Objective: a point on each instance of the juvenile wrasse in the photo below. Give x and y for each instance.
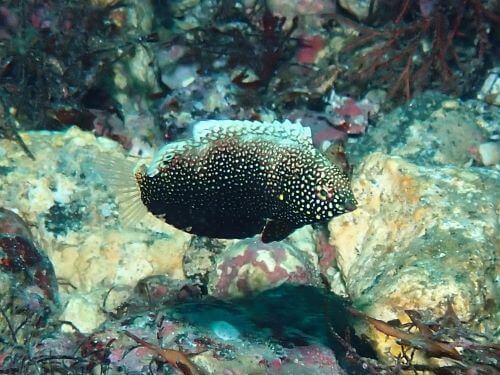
(234, 179)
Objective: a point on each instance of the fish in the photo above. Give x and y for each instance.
(233, 179)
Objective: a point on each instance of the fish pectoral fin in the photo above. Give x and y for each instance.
(276, 230)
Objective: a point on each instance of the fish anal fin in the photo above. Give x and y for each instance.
(276, 230)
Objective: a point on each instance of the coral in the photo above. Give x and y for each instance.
(445, 43)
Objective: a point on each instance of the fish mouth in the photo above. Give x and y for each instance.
(350, 204)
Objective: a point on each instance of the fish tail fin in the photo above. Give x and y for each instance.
(121, 177)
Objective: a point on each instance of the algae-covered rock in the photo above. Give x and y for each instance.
(431, 129)
(249, 266)
(74, 218)
(421, 236)
(28, 285)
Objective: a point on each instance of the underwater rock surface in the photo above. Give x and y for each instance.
(75, 219)
(433, 129)
(28, 284)
(250, 266)
(421, 235)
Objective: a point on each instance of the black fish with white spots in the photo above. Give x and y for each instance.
(234, 179)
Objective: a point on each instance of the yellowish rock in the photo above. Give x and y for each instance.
(450, 104)
(83, 313)
(420, 237)
(74, 219)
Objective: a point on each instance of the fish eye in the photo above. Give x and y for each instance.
(324, 192)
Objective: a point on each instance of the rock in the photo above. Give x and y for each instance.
(359, 8)
(225, 331)
(75, 219)
(420, 236)
(162, 290)
(243, 336)
(11, 223)
(490, 90)
(133, 80)
(28, 285)
(83, 312)
(431, 129)
(444, 138)
(319, 360)
(250, 266)
(31, 268)
(308, 11)
(489, 153)
(181, 76)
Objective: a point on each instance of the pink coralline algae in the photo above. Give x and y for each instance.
(250, 266)
(326, 251)
(349, 115)
(316, 355)
(310, 46)
(11, 223)
(32, 274)
(313, 360)
(343, 117)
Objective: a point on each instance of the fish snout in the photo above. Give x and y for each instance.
(350, 204)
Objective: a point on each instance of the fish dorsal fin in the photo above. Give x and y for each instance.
(209, 130)
(205, 131)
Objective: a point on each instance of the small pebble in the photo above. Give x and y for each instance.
(224, 330)
(489, 153)
(450, 104)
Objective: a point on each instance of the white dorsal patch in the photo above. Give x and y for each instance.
(164, 155)
(208, 130)
(284, 133)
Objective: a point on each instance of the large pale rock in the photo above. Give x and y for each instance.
(421, 236)
(358, 8)
(74, 218)
(490, 90)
